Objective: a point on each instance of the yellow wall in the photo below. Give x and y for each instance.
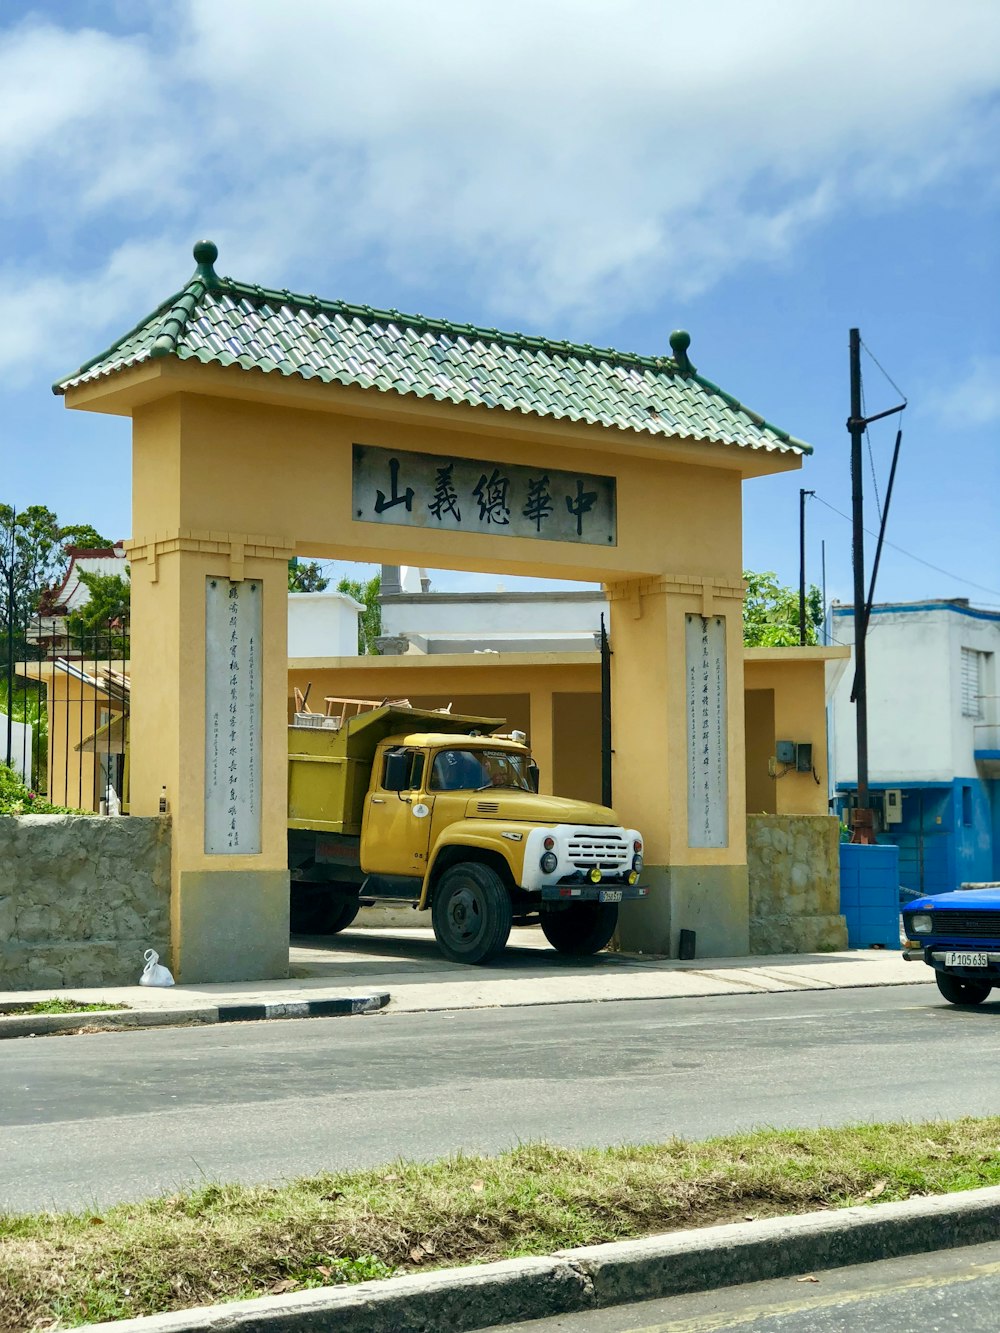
(759, 721)
(555, 698)
(577, 746)
(798, 678)
(75, 711)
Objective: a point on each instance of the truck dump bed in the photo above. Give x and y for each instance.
(329, 767)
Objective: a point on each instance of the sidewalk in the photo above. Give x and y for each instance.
(353, 972)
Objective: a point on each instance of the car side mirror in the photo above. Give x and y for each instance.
(533, 775)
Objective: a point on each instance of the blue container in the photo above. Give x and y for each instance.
(869, 895)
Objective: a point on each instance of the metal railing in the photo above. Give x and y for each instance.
(64, 708)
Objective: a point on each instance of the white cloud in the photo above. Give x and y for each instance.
(41, 315)
(551, 156)
(973, 399)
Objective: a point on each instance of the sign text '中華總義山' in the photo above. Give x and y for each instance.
(482, 495)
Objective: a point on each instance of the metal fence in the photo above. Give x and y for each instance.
(64, 708)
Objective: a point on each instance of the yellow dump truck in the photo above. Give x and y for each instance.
(441, 812)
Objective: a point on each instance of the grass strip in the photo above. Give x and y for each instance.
(58, 1006)
(229, 1242)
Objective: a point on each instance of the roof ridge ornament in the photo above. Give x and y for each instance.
(680, 341)
(205, 255)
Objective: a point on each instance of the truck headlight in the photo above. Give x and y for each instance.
(637, 862)
(548, 862)
(922, 923)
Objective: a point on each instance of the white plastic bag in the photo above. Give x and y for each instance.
(154, 973)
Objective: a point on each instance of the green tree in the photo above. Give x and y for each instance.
(370, 619)
(100, 627)
(33, 556)
(307, 577)
(771, 612)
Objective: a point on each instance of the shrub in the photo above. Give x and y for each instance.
(17, 798)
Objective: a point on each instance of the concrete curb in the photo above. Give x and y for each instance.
(252, 1013)
(458, 1300)
(110, 1020)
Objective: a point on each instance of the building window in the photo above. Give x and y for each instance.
(973, 682)
(967, 806)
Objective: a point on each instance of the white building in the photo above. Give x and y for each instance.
(322, 624)
(49, 628)
(417, 620)
(933, 743)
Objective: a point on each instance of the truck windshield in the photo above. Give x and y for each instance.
(474, 770)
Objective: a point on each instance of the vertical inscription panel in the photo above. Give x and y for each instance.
(233, 622)
(708, 739)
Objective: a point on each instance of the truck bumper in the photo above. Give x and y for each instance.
(594, 893)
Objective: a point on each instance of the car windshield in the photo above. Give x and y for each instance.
(475, 770)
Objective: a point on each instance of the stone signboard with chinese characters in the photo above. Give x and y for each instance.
(233, 623)
(480, 495)
(708, 734)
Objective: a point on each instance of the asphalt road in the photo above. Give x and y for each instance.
(117, 1116)
(953, 1290)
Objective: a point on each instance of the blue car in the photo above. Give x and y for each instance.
(959, 937)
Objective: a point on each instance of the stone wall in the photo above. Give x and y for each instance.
(794, 871)
(81, 899)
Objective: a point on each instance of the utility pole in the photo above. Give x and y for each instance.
(606, 750)
(822, 552)
(802, 564)
(864, 823)
(10, 640)
(863, 827)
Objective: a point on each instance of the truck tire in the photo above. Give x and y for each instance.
(471, 913)
(958, 990)
(313, 910)
(580, 929)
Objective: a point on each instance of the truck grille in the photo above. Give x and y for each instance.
(607, 851)
(966, 925)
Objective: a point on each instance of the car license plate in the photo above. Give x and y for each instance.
(610, 896)
(966, 960)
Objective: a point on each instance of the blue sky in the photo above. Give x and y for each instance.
(765, 175)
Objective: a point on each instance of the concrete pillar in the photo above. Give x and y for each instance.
(542, 737)
(700, 888)
(229, 912)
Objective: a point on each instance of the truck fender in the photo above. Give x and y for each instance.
(466, 841)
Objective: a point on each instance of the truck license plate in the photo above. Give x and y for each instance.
(966, 960)
(615, 896)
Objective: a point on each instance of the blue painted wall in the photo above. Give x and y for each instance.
(949, 834)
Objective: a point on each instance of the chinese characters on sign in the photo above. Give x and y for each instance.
(468, 495)
(708, 738)
(232, 716)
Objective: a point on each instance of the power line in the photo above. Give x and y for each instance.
(909, 554)
(883, 370)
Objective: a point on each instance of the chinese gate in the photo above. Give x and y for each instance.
(267, 426)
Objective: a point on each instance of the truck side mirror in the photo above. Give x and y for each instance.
(533, 775)
(396, 776)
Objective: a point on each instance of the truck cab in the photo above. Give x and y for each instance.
(451, 822)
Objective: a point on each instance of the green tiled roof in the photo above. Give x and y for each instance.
(221, 321)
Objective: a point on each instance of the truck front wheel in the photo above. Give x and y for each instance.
(957, 990)
(580, 929)
(471, 913)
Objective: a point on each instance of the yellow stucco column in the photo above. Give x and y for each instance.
(191, 661)
(542, 737)
(677, 708)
